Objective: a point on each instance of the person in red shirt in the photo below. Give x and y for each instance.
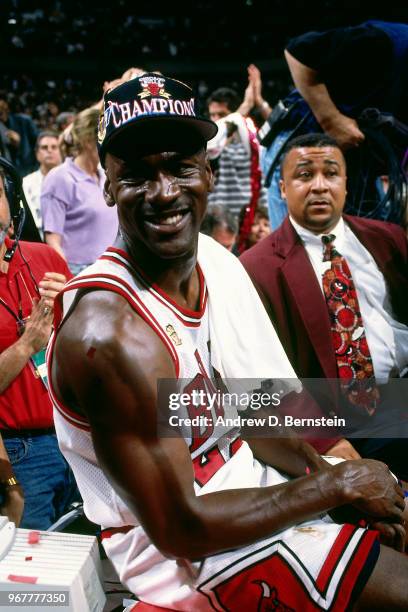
(36, 484)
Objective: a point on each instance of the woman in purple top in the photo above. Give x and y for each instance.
(77, 221)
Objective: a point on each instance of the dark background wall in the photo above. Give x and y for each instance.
(64, 51)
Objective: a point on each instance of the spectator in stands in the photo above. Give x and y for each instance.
(77, 222)
(234, 151)
(338, 73)
(18, 135)
(48, 156)
(64, 119)
(260, 227)
(220, 224)
(36, 484)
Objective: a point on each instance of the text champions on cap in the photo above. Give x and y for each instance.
(160, 102)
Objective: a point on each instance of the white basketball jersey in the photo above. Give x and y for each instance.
(185, 335)
(221, 461)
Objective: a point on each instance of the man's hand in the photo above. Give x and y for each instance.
(255, 80)
(38, 327)
(50, 286)
(344, 450)
(391, 534)
(14, 138)
(344, 130)
(13, 504)
(248, 102)
(372, 489)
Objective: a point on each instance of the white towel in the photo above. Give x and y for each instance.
(244, 343)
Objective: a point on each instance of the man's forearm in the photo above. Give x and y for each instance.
(313, 91)
(228, 519)
(291, 455)
(12, 361)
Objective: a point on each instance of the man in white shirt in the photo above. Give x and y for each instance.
(288, 269)
(48, 156)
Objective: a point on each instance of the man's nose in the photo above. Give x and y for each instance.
(164, 190)
(319, 182)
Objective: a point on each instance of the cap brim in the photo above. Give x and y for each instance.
(156, 134)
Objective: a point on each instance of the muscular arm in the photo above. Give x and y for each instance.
(342, 128)
(114, 363)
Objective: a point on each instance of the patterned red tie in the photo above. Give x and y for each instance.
(354, 363)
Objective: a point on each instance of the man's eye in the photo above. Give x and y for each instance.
(183, 169)
(133, 180)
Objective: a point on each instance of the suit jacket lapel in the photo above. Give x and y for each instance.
(307, 294)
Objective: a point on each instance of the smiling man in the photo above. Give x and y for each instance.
(335, 287)
(202, 521)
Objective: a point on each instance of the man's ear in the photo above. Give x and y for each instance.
(107, 192)
(282, 189)
(210, 175)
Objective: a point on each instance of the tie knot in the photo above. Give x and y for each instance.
(327, 239)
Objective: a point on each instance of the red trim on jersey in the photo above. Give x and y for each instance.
(349, 578)
(142, 606)
(110, 531)
(272, 584)
(159, 294)
(235, 446)
(340, 544)
(75, 419)
(88, 281)
(174, 311)
(133, 300)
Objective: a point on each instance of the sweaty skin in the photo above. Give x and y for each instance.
(161, 199)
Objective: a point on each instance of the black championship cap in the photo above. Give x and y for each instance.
(151, 113)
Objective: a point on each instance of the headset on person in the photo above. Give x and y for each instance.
(13, 188)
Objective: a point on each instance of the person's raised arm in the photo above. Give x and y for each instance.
(108, 364)
(255, 80)
(340, 127)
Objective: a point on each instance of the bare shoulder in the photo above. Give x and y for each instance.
(105, 343)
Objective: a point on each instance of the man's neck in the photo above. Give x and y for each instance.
(178, 278)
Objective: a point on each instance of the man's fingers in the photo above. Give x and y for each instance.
(400, 536)
(55, 276)
(391, 534)
(399, 490)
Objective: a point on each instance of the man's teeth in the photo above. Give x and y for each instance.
(170, 220)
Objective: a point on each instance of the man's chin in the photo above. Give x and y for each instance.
(174, 249)
(321, 224)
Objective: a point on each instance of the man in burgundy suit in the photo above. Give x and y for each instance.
(287, 268)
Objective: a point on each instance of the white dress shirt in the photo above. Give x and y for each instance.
(386, 337)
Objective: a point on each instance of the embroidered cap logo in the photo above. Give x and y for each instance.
(153, 86)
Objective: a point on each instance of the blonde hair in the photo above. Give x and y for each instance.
(84, 128)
